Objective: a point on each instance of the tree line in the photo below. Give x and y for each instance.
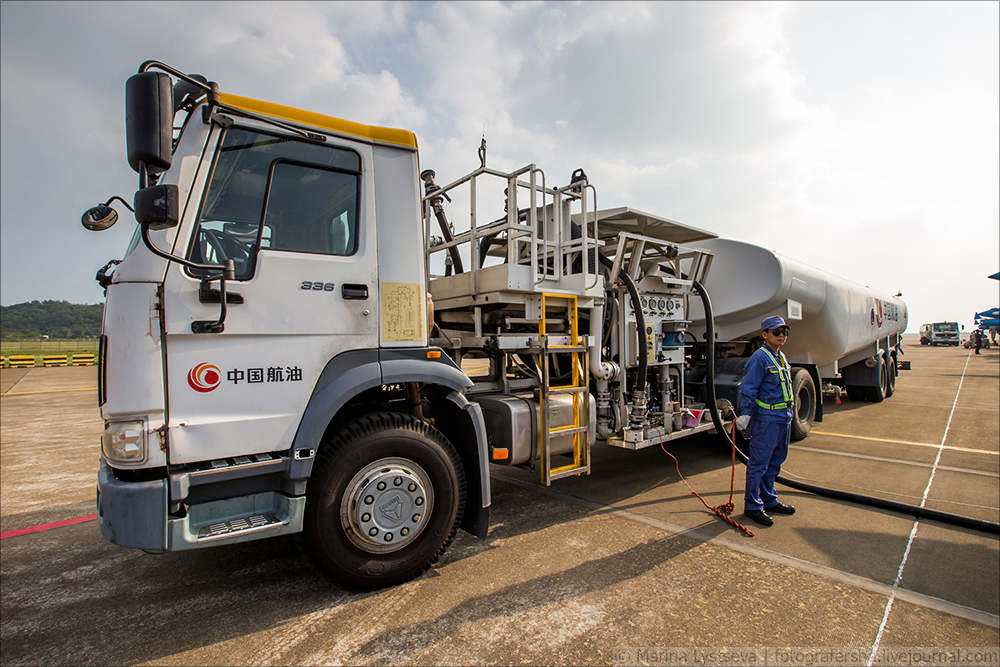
(55, 319)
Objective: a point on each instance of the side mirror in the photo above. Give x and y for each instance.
(157, 206)
(149, 121)
(99, 218)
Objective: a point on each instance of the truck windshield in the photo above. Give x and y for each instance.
(946, 326)
(277, 193)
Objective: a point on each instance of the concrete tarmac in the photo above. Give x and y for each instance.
(624, 566)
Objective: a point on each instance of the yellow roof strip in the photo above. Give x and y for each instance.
(384, 135)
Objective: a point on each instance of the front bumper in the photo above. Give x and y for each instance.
(132, 514)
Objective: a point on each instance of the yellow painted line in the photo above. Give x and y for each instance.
(47, 391)
(906, 442)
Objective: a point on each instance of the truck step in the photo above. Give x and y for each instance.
(242, 526)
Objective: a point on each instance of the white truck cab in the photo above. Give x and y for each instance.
(272, 300)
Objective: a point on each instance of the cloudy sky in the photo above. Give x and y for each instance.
(862, 138)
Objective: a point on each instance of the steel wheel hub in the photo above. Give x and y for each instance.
(386, 505)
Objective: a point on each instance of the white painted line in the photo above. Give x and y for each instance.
(913, 533)
(928, 405)
(904, 462)
(908, 442)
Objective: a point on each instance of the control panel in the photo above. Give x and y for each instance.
(665, 327)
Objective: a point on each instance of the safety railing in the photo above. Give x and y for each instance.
(540, 235)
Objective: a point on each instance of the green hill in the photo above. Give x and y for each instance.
(55, 319)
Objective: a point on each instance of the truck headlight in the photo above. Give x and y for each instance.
(124, 442)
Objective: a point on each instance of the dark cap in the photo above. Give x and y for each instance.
(772, 323)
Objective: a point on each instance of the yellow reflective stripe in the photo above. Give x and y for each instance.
(784, 380)
(776, 406)
(384, 135)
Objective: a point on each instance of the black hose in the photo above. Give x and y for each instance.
(870, 501)
(485, 245)
(640, 322)
(446, 231)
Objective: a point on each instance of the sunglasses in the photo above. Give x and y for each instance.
(779, 332)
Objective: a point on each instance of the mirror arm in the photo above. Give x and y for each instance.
(209, 87)
(228, 273)
(114, 197)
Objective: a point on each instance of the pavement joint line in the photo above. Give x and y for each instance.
(885, 459)
(916, 524)
(27, 372)
(864, 583)
(46, 391)
(907, 442)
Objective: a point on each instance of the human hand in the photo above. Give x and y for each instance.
(742, 422)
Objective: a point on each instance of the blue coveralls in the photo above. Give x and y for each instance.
(766, 395)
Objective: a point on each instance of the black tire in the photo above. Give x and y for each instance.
(878, 394)
(405, 468)
(804, 410)
(893, 369)
(924, 341)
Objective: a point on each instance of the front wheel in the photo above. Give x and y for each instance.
(383, 502)
(804, 411)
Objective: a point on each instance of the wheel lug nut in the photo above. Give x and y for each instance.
(418, 501)
(388, 537)
(369, 500)
(373, 532)
(404, 532)
(412, 487)
(366, 517)
(398, 481)
(381, 486)
(416, 518)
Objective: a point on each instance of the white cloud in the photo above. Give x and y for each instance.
(854, 137)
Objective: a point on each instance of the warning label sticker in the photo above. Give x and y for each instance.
(402, 313)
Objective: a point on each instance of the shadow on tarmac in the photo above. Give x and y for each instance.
(70, 597)
(593, 575)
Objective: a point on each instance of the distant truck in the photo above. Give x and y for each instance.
(939, 333)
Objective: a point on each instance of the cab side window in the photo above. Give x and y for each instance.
(276, 193)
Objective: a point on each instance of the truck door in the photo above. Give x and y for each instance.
(297, 217)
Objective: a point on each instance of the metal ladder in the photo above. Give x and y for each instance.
(579, 428)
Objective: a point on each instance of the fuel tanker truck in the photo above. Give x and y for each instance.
(309, 335)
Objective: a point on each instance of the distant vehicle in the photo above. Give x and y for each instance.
(939, 333)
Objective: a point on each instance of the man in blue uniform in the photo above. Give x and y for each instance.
(766, 405)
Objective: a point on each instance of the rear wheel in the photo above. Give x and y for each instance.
(383, 502)
(878, 394)
(890, 388)
(804, 410)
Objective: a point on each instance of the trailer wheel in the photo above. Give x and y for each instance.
(384, 501)
(893, 370)
(804, 393)
(878, 394)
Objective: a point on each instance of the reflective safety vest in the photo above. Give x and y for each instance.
(784, 372)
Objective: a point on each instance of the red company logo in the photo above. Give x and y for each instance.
(204, 377)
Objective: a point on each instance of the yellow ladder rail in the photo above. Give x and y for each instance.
(579, 428)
